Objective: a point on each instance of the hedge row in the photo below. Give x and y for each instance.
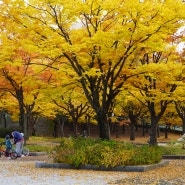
(83, 151)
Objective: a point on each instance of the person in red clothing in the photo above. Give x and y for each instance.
(19, 141)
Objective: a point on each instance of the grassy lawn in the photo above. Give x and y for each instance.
(40, 144)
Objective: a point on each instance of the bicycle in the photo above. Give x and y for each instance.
(25, 151)
(12, 154)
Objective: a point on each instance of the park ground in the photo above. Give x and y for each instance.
(23, 170)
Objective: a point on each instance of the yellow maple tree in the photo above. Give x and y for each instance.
(99, 40)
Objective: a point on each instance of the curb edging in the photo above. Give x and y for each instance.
(143, 168)
(37, 153)
(174, 157)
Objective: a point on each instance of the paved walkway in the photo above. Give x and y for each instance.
(24, 173)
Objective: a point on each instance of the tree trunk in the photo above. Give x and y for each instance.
(166, 131)
(25, 128)
(132, 126)
(55, 129)
(75, 129)
(104, 128)
(132, 131)
(153, 134)
(143, 128)
(88, 118)
(5, 122)
(61, 122)
(21, 109)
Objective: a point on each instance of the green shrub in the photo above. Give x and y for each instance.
(98, 152)
(94, 154)
(78, 158)
(112, 158)
(64, 152)
(146, 155)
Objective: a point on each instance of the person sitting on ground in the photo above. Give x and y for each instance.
(8, 145)
(19, 141)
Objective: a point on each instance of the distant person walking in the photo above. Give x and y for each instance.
(19, 141)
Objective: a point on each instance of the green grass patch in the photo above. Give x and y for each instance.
(172, 150)
(39, 148)
(43, 139)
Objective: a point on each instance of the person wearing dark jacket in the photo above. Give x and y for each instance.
(19, 141)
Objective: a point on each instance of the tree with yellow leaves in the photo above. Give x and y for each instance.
(158, 78)
(99, 40)
(133, 108)
(20, 82)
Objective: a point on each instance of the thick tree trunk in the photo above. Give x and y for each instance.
(104, 128)
(153, 134)
(132, 131)
(133, 122)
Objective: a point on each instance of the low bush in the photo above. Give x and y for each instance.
(98, 152)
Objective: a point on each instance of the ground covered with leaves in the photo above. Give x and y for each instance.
(23, 171)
